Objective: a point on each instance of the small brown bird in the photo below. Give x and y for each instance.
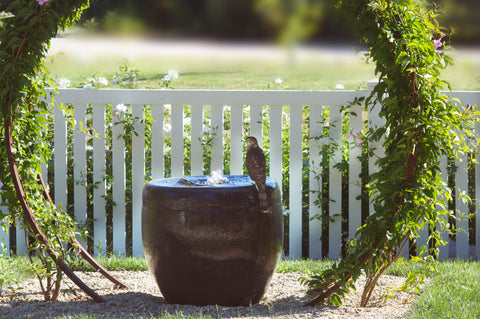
(257, 170)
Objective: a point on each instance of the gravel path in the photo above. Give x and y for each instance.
(284, 299)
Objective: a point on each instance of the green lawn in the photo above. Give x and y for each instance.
(453, 293)
(207, 72)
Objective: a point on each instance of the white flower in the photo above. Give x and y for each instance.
(339, 86)
(170, 76)
(173, 74)
(116, 81)
(64, 83)
(187, 121)
(319, 142)
(166, 78)
(167, 129)
(101, 80)
(89, 148)
(87, 86)
(168, 107)
(278, 81)
(120, 108)
(206, 129)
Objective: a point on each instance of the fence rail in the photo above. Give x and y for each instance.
(292, 126)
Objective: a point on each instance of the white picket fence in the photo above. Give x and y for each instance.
(258, 102)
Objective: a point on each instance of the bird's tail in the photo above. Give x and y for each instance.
(262, 199)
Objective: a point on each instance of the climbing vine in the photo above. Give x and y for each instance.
(421, 124)
(26, 29)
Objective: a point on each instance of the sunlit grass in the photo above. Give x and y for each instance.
(453, 293)
(212, 72)
(13, 270)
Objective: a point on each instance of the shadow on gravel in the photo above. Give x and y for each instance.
(137, 305)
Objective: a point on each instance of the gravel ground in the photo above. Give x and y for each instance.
(284, 299)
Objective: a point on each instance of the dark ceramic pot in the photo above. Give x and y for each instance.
(209, 244)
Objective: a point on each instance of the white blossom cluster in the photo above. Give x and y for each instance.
(170, 76)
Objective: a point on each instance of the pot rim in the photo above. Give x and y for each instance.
(200, 182)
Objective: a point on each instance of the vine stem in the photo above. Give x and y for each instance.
(30, 217)
(83, 252)
(410, 172)
(372, 280)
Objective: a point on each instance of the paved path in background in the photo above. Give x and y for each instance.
(85, 47)
(137, 48)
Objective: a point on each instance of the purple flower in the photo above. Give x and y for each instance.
(42, 2)
(437, 43)
(469, 107)
(357, 138)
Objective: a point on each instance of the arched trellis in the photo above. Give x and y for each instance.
(421, 124)
(22, 43)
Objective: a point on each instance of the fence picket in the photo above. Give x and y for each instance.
(20, 238)
(4, 235)
(295, 198)
(256, 124)
(60, 157)
(236, 140)
(44, 172)
(80, 167)
(217, 142)
(461, 188)
(335, 186)
(138, 179)
(43, 164)
(443, 251)
(158, 162)
(276, 152)
(355, 169)
(177, 141)
(476, 198)
(315, 183)
(196, 143)
(118, 185)
(99, 174)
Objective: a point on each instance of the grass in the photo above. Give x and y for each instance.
(13, 271)
(203, 73)
(308, 72)
(452, 292)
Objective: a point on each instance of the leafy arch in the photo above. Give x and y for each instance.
(421, 124)
(26, 30)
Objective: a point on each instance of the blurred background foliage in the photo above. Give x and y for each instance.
(288, 21)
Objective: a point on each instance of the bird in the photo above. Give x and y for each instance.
(257, 170)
